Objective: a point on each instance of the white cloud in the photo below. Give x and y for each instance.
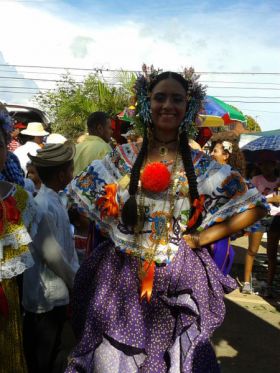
(228, 40)
(80, 46)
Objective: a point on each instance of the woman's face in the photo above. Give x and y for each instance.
(219, 154)
(168, 105)
(3, 151)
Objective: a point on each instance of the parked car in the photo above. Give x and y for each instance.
(26, 114)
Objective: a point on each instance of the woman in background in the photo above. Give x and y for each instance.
(225, 150)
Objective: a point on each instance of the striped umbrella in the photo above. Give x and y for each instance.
(217, 113)
(264, 148)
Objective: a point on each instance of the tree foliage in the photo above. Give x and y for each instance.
(70, 103)
(252, 124)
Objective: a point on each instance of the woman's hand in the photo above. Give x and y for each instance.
(192, 240)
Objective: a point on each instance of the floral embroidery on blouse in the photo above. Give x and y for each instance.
(234, 186)
(225, 191)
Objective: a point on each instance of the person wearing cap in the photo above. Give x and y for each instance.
(34, 135)
(45, 294)
(55, 138)
(96, 145)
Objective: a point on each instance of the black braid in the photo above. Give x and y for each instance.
(129, 211)
(190, 173)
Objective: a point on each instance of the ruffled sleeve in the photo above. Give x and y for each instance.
(96, 192)
(226, 192)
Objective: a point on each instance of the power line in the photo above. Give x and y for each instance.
(265, 89)
(230, 82)
(255, 102)
(262, 111)
(31, 93)
(235, 101)
(36, 89)
(48, 73)
(37, 79)
(111, 77)
(80, 82)
(136, 71)
(267, 97)
(50, 89)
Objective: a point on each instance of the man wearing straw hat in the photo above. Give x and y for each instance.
(34, 135)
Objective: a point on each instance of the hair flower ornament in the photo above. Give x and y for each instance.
(227, 146)
(195, 95)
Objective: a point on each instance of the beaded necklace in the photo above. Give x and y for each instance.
(150, 253)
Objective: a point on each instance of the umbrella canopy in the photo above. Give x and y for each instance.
(127, 114)
(264, 148)
(217, 113)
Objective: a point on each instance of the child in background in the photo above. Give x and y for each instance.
(32, 174)
(45, 294)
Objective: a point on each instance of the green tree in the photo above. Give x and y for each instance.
(252, 125)
(70, 103)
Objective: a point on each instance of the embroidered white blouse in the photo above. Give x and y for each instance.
(226, 193)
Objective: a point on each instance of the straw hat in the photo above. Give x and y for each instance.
(53, 154)
(55, 138)
(34, 129)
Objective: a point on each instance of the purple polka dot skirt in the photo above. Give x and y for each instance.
(116, 333)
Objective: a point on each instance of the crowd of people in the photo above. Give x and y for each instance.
(130, 242)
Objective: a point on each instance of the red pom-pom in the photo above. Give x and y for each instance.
(155, 177)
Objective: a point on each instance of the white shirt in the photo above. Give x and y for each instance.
(42, 288)
(22, 151)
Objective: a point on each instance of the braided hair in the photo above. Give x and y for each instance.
(129, 212)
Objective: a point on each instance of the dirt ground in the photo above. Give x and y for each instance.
(249, 339)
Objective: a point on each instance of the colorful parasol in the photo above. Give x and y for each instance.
(127, 114)
(217, 113)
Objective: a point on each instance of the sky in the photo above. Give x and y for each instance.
(235, 45)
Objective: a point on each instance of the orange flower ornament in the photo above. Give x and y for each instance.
(107, 204)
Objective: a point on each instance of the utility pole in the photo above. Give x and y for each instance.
(256, 117)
